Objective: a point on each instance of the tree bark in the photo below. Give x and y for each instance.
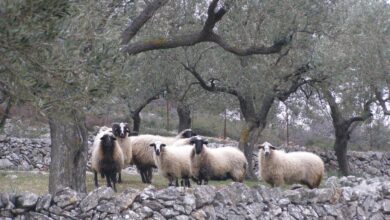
(69, 152)
(184, 113)
(136, 122)
(4, 115)
(340, 147)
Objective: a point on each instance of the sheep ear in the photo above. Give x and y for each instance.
(260, 147)
(272, 147)
(152, 145)
(163, 145)
(114, 138)
(205, 142)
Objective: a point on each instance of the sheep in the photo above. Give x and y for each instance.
(216, 163)
(173, 162)
(143, 154)
(122, 133)
(278, 167)
(107, 157)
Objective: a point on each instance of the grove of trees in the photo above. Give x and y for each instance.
(326, 60)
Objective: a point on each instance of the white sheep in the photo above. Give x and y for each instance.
(143, 153)
(173, 162)
(107, 157)
(122, 133)
(216, 163)
(278, 167)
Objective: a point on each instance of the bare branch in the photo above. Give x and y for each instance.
(382, 101)
(205, 35)
(141, 19)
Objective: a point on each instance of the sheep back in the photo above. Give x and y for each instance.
(219, 163)
(295, 167)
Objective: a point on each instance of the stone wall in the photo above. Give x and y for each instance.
(345, 198)
(34, 154)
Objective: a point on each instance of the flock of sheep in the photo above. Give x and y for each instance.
(186, 156)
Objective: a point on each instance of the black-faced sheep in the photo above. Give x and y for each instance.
(173, 162)
(122, 133)
(278, 167)
(107, 157)
(216, 163)
(143, 153)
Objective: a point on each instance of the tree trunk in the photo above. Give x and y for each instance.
(184, 114)
(69, 152)
(136, 122)
(6, 113)
(340, 148)
(248, 132)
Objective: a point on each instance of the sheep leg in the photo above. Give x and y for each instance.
(177, 182)
(96, 179)
(205, 181)
(119, 177)
(108, 179)
(149, 173)
(113, 179)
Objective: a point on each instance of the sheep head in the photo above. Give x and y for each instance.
(267, 148)
(121, 130)
(187, 133)
(158, 147)
(108, 143)
(198, 142)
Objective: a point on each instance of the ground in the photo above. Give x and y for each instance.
(37, 182)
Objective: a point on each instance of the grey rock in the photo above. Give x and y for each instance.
(235, 216)
(129, 214)
(66, 197)
(295, 212)
(179, 208)
(27, 200)
(181, 217)
(386, 206)
(148, 193)
(204, 195)
(55, 210)
(145, 212)
(126, 198)
(294, 196)
(377, 216)
(199, 214)
(189, 202)
(157, 216)
(153, 204)
(169, 213)
(93, 198)
(38, 216)
(5, 164)
(6, 214)
(170, 193)
(108, 207)
(284, 202)
(44, 202)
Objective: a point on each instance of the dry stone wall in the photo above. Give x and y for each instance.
(344, 198)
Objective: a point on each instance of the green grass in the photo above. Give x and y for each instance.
(37, 182)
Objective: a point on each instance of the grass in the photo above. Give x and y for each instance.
(37, 182)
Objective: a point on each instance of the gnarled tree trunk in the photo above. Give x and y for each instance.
(136, 122)
(340, 148)
(69, 152)
(184, 113)
(5, 114)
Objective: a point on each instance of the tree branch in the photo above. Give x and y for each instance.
(382, 101)
(145, 103)
(205, 35)
(141, 19)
